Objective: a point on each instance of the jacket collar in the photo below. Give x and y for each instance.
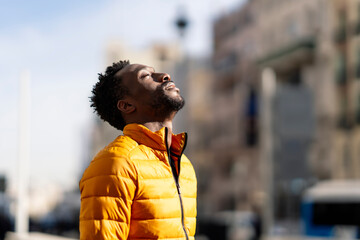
(156, 140)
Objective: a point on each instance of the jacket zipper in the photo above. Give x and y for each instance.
(176, 178)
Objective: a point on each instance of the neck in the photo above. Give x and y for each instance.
(156, 126)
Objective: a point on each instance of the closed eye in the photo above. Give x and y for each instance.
(145, 75)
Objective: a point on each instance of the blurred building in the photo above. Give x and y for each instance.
(235, 181)
(199, 116)
(347, 78)
(312, 47)
(296, 40)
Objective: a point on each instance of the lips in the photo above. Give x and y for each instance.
(170, 85)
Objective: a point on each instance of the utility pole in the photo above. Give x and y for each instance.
(22, 206)
(268, 89)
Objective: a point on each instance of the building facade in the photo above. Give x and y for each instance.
(235, 179)
(347, 76)
(312, 49)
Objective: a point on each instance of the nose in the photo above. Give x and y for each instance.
(164, 77)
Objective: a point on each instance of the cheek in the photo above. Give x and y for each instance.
(145, 90)
(139, 91)
(145, 95)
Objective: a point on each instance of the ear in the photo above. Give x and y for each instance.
(125, 106)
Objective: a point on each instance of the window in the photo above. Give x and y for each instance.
(357, 115)
(293, 28)
(357, 24)
(334, 213)
(341, 75)
(341, 31)
(251, 119)
(357, 63)
(342, 120)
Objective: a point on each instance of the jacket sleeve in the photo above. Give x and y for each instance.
(107, 191)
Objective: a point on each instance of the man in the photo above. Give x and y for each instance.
(140, 186)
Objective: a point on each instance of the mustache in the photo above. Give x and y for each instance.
(165, 84)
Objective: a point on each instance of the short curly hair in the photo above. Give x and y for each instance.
(107, 92)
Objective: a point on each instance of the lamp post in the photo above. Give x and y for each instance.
(181, 23)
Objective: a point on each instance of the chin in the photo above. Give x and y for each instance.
(174, 94)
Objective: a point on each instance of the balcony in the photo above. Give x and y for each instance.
(290, 56)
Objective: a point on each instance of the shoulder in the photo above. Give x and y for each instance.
(120, 147)
(114, 159)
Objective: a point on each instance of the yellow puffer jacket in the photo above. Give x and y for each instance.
(130, 189)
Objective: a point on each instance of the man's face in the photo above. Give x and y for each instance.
(151, 90)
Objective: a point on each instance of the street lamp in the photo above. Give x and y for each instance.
(181, 69)
(181, 22)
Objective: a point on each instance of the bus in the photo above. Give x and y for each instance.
(331, 209)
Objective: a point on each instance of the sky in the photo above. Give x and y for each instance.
(62, 46)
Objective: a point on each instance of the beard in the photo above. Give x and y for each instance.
(164, 104)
